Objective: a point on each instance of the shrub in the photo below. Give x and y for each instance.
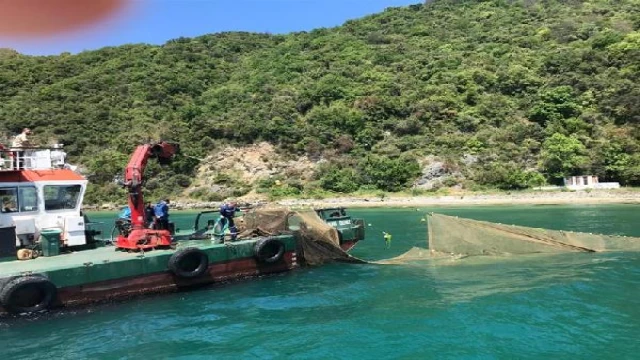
(509, 177)
(339, 180)
(389, 174)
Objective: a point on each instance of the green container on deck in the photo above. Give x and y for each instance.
(50, 242)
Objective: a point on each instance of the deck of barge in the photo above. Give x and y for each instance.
(105, 263)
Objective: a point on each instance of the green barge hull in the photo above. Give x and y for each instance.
(105, 274)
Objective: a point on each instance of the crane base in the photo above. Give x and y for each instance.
(144, 239)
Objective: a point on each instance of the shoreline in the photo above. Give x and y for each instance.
(581, 197)
(528, 198)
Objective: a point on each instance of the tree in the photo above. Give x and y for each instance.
(631, 173)
(563, 156)
(495, 79)
(106, 166)
(389, 174)
(509, 176)
(554, 105)
(343, 180)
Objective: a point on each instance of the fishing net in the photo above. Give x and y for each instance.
(318, 242)
(453, 235)
(265, 221)
(449, 238)
(415, 254)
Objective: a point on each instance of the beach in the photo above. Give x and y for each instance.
(618, 196)
(610, 196)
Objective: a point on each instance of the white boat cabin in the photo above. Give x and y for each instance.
(38, 191)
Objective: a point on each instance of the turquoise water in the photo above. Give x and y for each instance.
(569, 306)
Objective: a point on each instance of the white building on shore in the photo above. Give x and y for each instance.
(588, 182)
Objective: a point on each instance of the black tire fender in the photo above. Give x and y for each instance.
(268, 250)
(189, 263)
(28, 294)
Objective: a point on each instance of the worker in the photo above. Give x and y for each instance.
(161, 212)
(149, 215)
(20, 142)
(125, 214)
(5, 157)
(387, 239)
(228, 211)
(8, 207)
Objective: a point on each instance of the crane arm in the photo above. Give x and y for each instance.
(134, 175)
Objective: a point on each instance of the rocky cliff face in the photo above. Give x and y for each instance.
(238, 171)
(438, 173)
(234, 171)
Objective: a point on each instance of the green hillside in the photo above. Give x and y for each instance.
(507, 94)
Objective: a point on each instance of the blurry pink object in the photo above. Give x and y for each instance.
(39, 18)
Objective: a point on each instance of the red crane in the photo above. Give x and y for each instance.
(140, 238)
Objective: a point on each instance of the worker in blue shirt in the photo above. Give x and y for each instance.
(124, 221)
(228, 211)
(161, 212)
(125, 214)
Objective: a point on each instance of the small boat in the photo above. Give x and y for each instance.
(52, 255)
(350, 230)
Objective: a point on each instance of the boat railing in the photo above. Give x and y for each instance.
(32, 158)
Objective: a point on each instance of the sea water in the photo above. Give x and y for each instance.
(565, 306)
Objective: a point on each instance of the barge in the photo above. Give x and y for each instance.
(52, 255)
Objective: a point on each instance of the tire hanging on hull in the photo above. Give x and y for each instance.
(269, 251)
(189, 263)
(28, 294)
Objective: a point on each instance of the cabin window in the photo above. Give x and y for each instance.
(61, 197)
(334, 213)
(28, 199)
(9, 198)
(22, 199)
